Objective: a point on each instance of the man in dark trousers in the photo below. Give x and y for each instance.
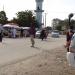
(1, 33)
(32, 34)
(43, 34)
(1, 36)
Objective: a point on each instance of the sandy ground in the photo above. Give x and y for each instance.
(51, 62)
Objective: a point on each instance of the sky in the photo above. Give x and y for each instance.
(52, 8)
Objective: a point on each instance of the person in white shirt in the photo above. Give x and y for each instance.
(14, 32)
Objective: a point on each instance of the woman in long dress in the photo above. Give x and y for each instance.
(69, 35)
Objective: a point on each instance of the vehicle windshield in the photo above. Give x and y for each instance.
(56, 31)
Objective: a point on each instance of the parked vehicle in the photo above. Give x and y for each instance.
(25, 31)
(38, 33)
(55, 34)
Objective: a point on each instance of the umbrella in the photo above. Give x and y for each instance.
(11, 25)
(24, 27)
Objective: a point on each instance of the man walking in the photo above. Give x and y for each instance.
(32, 34)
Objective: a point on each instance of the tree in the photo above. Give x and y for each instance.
(3, 18)
(73, 24)
(14, 20)
(25, 18)
(55, 23)
(63, 24)
(66, 24)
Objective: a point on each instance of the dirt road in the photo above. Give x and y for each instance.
(13, 50)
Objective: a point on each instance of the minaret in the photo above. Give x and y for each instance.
(39, 12)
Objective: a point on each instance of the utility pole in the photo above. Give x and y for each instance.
(42, 21)
(45, 19)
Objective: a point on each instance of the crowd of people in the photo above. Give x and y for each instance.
(70, 40)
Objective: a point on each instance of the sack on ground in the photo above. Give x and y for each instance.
(71, 59)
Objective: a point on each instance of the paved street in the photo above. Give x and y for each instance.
(12, 50)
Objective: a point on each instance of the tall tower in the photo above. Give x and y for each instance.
(39, 12)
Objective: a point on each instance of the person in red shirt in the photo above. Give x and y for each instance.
(69, 35)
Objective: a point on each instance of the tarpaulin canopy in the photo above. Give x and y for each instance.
(11, 25)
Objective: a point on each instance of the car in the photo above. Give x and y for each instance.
(25, 31)
(55, 34)
(38, 34)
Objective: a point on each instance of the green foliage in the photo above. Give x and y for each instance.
(25, 18)
(55, 23)
(3, 18)
(59, 27)
(62, 24)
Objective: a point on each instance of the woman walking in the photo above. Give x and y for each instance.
(69, 35)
